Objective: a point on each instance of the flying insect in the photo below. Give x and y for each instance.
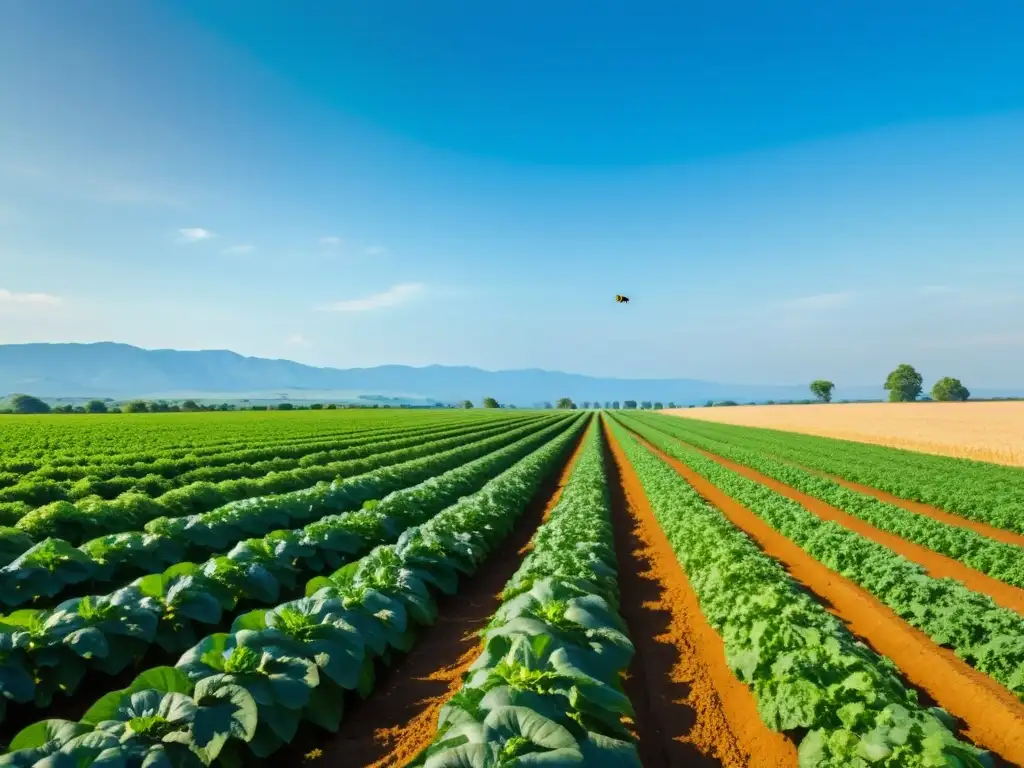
(622, 299)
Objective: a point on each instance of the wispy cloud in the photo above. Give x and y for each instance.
(298, 340)
(194, 234)
(395, 295)
(821, 301)
(236, 250)
(376, 250)
(11, 299)
(330, 240)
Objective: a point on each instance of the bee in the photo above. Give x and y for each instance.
(622, 299)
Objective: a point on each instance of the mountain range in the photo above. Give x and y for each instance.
(122, 371)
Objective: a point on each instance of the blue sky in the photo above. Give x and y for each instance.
(786, 190)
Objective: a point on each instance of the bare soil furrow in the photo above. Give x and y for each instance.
(399, 719)
(690, 708)
(991, 716)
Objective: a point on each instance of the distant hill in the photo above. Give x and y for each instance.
(106, 369)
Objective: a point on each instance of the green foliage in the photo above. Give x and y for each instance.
(96, 406)
(948, 388)
(467, 404)
(565, 403)
(490, 402)
(822, 389)
(903, 384)
(27, 404)
(285, 407)
(135, 406)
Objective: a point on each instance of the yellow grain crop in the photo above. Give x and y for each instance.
(992, 431)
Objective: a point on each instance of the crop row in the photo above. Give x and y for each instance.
(246, 691)
(95, 517)
(53, 565)
(51, 650)
(48, 441)
(156, 481)
(110, 476)
(997, 559)
(988, 493)
(983, 634)
(805, 669)
(546, 688)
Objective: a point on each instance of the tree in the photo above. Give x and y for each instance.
(95, 406)
(490, 402)
(671, 404)
(190, 405)
(135, 406)
(316, 407)
(586, 404)
(904, 384)
(27, 404)
(467, 404)
(629, 404)
(565, 403)
(822, 389)
(286, 407)
(658, 406)
(615, 405)
(548, 406)
(948, 388)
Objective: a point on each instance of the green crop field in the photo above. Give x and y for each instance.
(501, 588)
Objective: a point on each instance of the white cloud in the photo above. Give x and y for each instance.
(821, 301)
(395, 295)
(194, 234)
(298, 340)
(330, 240)
(12, 299)
(239, 249)
(376, 250)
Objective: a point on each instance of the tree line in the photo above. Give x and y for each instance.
(904, 385)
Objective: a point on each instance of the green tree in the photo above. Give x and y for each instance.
(548, 406)
(586, 404)
(658, 406)
(948, 388)
(467, 403)
(135, 406)
(95, 406)
(671, 404)
(27, 404)
(615, 405)
(629, 404)
(822, 389)
(904, 384)
(490, 402)
(331, 407)
(190, 405)
(286, 407)
(565, 403)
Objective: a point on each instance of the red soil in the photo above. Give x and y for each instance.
(936, 564)
(690, 708)
(399, 719)
(999, 534)
(993, 718)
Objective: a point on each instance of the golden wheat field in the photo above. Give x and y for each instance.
(992, 431)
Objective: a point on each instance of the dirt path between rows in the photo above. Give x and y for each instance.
(919, 507)
(991, 716)
(399, 719)
(937, 565)
(690, 708)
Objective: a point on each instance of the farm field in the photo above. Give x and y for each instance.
(985, 431)
(450, 589)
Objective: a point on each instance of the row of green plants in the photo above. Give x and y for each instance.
(94, 517)
(245, 692)
(987, 493)
(27, 496)
(983, 634)
(49, 651)
(997, 559)
(32, 444)
(110, 476)
(546, 687)
(809, 675)
(51, 567)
